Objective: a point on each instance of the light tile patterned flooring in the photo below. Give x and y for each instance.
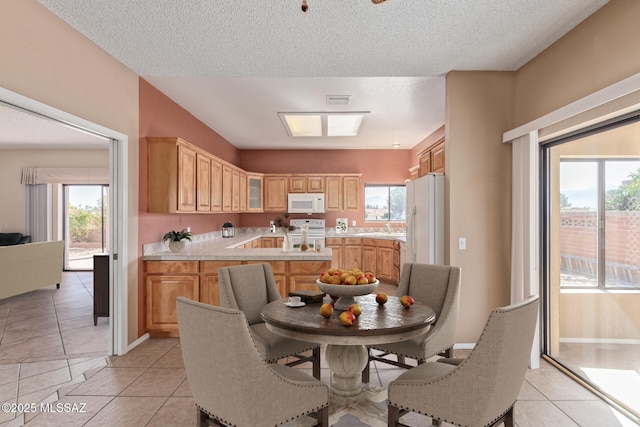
(50, 352)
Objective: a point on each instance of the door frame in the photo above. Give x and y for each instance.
(118, 208)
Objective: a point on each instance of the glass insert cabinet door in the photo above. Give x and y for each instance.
(592, 259)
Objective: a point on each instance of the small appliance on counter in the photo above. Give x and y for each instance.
(228, 230)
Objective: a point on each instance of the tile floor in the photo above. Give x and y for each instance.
(48, 355)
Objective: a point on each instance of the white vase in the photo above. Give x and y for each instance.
(176, 246)
(286, 243)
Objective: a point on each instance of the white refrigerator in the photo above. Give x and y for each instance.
(425, 219)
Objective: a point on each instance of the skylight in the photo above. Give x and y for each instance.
(323, 124)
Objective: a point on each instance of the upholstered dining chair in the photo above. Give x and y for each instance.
(439, 287)
(230, 382)
(479, 390)
(248, 288)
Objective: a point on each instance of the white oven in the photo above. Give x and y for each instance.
(315, 232)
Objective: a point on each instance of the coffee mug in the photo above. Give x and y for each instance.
(295, 300)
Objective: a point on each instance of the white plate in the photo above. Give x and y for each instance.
(288, 304)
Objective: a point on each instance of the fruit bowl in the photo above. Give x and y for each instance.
(347, 292)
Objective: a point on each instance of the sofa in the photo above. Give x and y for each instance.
(10, 239)
(27, 267)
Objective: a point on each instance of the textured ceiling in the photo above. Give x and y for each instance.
(235, 64)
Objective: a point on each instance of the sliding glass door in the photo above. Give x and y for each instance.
(85, 224)
(592, 259)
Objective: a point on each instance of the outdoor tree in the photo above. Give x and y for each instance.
(627, 196)
(564, 201)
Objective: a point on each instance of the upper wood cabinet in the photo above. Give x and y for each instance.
(254, 193)
(171, 175)
(216, 186)
(315, 184)
(432, 158)
(203, 182)
(242, 190)
(275, 193)
(342, 193)
(227, 188)
(235, 190)
(297, 184)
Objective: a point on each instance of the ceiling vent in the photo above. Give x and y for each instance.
(338, 99)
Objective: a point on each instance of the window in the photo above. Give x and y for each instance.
(385, 202)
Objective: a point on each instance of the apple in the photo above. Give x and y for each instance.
(371, 278)
(347, 318)
(362, 279)
(326, 310)
(355, 309)
(407, 301)
(350, 280)
(331, 271)
(335, 279)
(381, 298)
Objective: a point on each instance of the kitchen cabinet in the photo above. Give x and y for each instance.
(351, 191)
(352, 253)
(227, 188)
(414, 172)
(315, 184)
(396, 262)
(369, 259)
(209, 283)
(171, 175)
(342, 192)
(333, 193)
(271, 242)
(235, 190)
(384, 260)
(335, 244)
(254, 193)
(432, 158)
(303, 274)
(297, 184)
(242, 191)
(203, 182)
(164, 282)
(275, 193)
(216, 186)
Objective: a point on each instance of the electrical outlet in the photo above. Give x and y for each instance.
(353, 223)
(462, 243)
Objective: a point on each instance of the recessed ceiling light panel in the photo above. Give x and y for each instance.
(311, 124)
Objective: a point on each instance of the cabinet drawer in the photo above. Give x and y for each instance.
(333, 241)
(384, 243)
(368, 242)
(213, 266)
(352, 241)
(171, 267)
(308, 267)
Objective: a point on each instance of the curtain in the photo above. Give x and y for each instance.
(38, 211)
(65, 176)
(525, 278)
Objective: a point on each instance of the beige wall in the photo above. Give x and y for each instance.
(46, 60)
(600, 51)
(478, 110)
(12, 215)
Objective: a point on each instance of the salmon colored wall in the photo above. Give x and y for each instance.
(376, 167)
(160, 116)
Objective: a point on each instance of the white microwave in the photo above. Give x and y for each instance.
(308, 203)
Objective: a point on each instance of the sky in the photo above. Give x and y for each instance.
(84, 195)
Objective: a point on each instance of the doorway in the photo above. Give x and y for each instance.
(86, 225)
(592, 258)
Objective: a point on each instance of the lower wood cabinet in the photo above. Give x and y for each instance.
(381, 256)
(198, 280)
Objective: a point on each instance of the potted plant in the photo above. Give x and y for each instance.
(177, 239)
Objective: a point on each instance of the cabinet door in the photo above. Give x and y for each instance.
(352, 253)
(437, 158)
(209, 284)
(186, 179)
(216, 186)
(351, 193)
(254, 193)
(303, 274)
(227, 188)
(268, 242)
(275, 193)
(315, 184)
(369, 259)
(235, 190)
(384, 263)
(297, 184)
(242, 191)
(425, 163)
(203, 183)
(333, 194)
(335, 244)
(162, 292)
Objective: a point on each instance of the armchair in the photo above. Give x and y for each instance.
(479, 390)
(250, 287)
(439, 287)
(231, 383)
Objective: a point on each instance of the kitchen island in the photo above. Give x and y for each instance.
(193, 272)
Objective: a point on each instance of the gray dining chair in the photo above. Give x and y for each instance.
(479, 390)
(438, 286)
(250, 287)
(231, 383)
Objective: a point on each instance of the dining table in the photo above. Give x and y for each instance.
(346, 350)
